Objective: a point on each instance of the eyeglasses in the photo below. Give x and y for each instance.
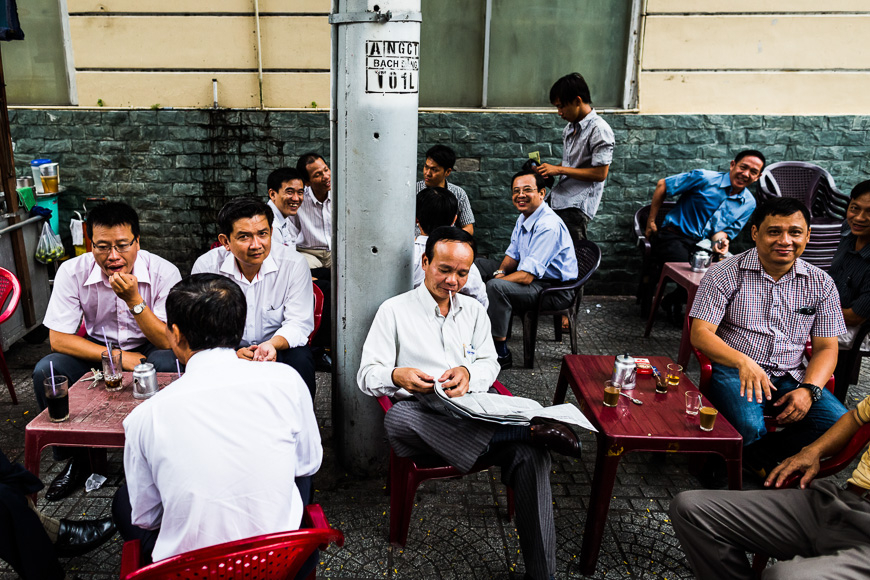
(121, 248)
(752, 171)
(525, 190)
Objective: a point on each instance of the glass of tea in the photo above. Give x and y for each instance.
(675, 371)
(57, 398)
(112, 369)
(707, 416)
(611, 393)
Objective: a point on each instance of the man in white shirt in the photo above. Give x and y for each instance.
(437, 207)
(276, 283)
(118, 292)
(432, 337)
(225, 452)
(315, 215)
(286, 192)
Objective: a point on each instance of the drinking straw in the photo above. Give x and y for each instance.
(178, 367)
(109, 350)
(53, 386)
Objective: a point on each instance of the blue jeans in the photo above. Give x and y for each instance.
(748, 417)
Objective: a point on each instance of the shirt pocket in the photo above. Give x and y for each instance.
(273, 318)
(800, 326)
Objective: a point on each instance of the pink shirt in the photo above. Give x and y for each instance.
(82, 289)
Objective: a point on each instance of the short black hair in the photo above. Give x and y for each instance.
(568, 88)
(282, 175)
(540, 183)
(751, 153)
(111, 214)
(304, 161)
(209, 310)
(449, 234)
(781, 206)
(436, 207)
(862, 188)
(239, 208)
(443, 155)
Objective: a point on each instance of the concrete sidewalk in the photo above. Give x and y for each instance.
(459, 528)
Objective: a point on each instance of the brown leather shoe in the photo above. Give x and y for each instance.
(556, 436)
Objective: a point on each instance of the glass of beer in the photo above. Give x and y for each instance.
(707, 418)
(675, 371)
(611, 393)
(57, 397)
(112, 369)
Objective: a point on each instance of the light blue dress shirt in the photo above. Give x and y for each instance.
(542, 246)
(705, 207)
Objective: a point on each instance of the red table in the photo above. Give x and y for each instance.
(660, 424)
(682, 274)
(95, 419)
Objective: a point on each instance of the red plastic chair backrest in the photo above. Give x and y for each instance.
(8, 285)
(263, 557)
(318, 311)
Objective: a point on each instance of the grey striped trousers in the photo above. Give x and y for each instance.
(414, 430)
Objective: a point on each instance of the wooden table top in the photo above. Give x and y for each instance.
(682, 272)
(662, 416)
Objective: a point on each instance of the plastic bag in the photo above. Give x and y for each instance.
(49, 249)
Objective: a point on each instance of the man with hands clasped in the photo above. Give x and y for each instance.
(119, 292)
(753, 315)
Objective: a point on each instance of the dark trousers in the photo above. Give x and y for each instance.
(23, 541)
(667, 246)
(323, 338)
(576, 221)
(301, 359)
(123, 518)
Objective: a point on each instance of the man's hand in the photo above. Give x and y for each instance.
(797, 405)
(246, 352)
(265, 351)
(455, 381)
(720, 244)
(547, 170)
(806, 461)
(130, 359)
(126, 287)
(651, 228)
(754, 382)
(413, 380)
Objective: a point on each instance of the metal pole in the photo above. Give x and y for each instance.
(375, 80)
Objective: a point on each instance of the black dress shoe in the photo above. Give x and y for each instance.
(323, 363)
(77, 538)
(506, 361)
(71, 478)
(558, 437)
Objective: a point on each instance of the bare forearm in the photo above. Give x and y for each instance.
(508, 264)
(585, 173)
(837, 436)
(153, 328)
(469, 228)
(520, 277)
(715, 348)
(279, 342)
(75, 346)
(821, 365)
(852, 319)
(657, 199)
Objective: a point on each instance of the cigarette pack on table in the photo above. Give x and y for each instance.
(643, 366)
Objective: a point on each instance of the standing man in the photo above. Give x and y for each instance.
(118, 292)
(434, 338)
(276, 283)
(438, 166)
(224, 453)
(587, 151)
(286, 192)
(315, 214)
(540, 253)
(712, 205)
(752, 316)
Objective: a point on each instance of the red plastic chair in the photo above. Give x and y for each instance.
(8, 285)
(269, 557)
(407, 473)
(318, 312)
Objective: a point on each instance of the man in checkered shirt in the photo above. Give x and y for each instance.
(752, 316)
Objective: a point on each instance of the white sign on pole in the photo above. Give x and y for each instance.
(392, 66)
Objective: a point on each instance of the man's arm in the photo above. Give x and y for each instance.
(655, 205)
(126, 287)
(852, 319)
(807, 460)
(469, 228)
(580, 173)
(754, 382)
(509, 265)
(796, 404)
(145, 501)
(82, 348)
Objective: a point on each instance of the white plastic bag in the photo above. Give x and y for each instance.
(50, 248)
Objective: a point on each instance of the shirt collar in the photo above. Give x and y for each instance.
(527, 223)
(431, 307)
(582, 123)
(231, 268)
(749, 261)
(850, 240)
(207, 358)
(140, 270)
(279, 217)
(421, 241)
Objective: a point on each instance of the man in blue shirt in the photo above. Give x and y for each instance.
(540, 253)
(712, 205)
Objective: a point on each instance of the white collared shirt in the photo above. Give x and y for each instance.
(285, 230)
(474, 285)
(315, 221)
(280, 298)
(409, 331)
(81, 288)
(212, 457)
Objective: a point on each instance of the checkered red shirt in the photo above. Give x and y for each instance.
(760, 317)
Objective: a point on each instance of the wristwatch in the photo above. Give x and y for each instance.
(497, 272)
(139, 308)
(815, 392)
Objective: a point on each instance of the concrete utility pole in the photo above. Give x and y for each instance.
(375, 80)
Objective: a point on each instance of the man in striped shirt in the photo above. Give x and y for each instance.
(315, 214)
(753, 315)
(438, 166)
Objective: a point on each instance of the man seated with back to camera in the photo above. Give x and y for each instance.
(118, 291)
(276, 282)
(227, 451)
(752, 316)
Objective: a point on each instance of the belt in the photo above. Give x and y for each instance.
(861, 492)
